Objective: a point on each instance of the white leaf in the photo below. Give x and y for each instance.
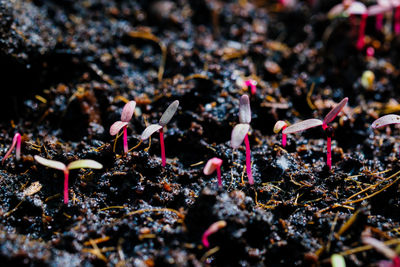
(301, 126)
(127, 111)
(150, 130)
(238, 134)
(386, 120)
(169, 113)
(244, 109)
(50, 163)
(117, 126)
(212, 165)
(84, 163)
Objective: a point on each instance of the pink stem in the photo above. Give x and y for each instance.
(248, 160)
(18, 150)
(204, 239)
(397, 20)
(125, 139)
(219, 176)
(163, 161)
(66, 174)
(379, 22)
(283, 137)
(329, 152)
(361, 32)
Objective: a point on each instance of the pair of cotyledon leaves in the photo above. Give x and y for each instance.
(127, 113)
(310, 123)
(240, 130)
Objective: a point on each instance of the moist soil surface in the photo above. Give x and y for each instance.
(68, 68)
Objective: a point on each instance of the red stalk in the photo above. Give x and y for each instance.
(379, 22)
(163, 161)
(125, 139)
(283, 137)
(329, 152)
(248, 160)
(397, 20)
(361, 31)
(219, 176)
(66, 174)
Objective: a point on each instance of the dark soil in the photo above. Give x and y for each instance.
(68, 66)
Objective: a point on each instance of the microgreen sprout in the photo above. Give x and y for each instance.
(77, 164)
(212, 165)
(211, 230)
(16, 141)
(385, 121)
(281, 125)
(126, 116)
(240, 133)
(165, 118)
(383, 249)
(252, 84)
(310, 123)
(352, 8)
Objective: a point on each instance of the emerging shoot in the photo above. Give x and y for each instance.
(77, 164)
(252, 84)
(281, 125)
(126, 116)
(310, 123)
(16, 141)
(165, 118)
(211, 230)
(212, 165)
(240, 133)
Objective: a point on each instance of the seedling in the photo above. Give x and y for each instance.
(240, 133)
(385, 121)
(126, 116)
(165, 118)
(16, 141)
(352, 8)
(252, 84)
(311, 123)
(77, 164)
(211, 230)
(281, 125)
(383, 249)
(212, 165)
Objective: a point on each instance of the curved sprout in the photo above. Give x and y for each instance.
(301, 126)
(211, 230)
(127, 111)
(212, 165)
(150, 130)
(239, 132)
(83, 164)
(386, 120)
(169, 113)
(117, 126)
(335, 111)
(16, 141)
(244, 109)
(51, 163)
(279, 125)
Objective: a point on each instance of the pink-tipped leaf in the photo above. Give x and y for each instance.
(84, 164)
(279, 125)
(301, 126)
(169, 113)
(212, 165)
(238, 134)
(117, 126)
(386, 120)
(244, 110)
(127, 111)
(335, 111)
(150, 130)
(51, 163)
